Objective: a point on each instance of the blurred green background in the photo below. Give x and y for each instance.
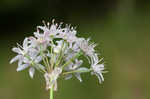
(120, 27)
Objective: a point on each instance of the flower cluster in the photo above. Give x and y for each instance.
(56, 51)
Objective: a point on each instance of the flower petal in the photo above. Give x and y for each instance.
(38, 59)
(100, 77)
(31, 72)
(15, 59)
(17, 50)
(33, 53)
(69, 76)
(78, 76)
(39, 67)
(22, 67)
(83, 69)
(25, 43)
(20, 62)
(26, 60)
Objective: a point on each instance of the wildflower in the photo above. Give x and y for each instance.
(41, 40)
(49, 31)
(74, 67)
(27, 56)
(68, 33)
(21, 51)
(86, 47)
(31, 61)
(98, 69)
(56, 51)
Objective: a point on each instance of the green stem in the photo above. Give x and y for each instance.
(43, 57)
(51, 93)
(53, 55)
(75, 71)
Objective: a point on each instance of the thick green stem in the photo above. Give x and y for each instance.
(51, 93)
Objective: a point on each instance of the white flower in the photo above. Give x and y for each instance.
(74, 47)
(87, 47)
(71, 36)
(50, 31)
(27, 57)
(21, 51)
(55, 50)
(69, 55)
(68, 33)
(31, 61)
(98, 69)
(51, 78)
(75, 67)
(42, 39)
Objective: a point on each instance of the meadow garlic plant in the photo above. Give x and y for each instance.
(55, 51)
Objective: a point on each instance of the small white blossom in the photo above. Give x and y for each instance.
(98, 69)
(73, 67)
(21, 51)
(54, 50)
(32, 61)
(42, 39)
(87, 47)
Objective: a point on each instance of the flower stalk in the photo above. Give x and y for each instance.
(51, 93)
